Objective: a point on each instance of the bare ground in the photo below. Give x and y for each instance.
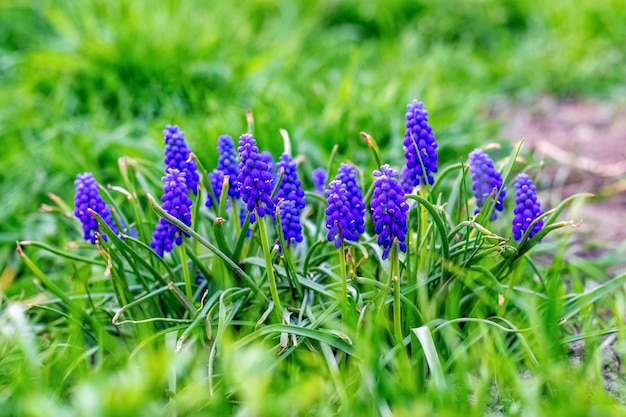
(583, 144)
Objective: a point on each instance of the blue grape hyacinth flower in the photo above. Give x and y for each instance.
(527, 208)
(87, 197)
(389, 209)
(177, 156)
(176, 202)
(485, 180)
(290, 188)
(420, 146)
(319, 177)
(266, 156)
(356, 221)
(290, 220)
(227, 163)
(216, 177)
(337, 212)
(406, 181)
(256, 183)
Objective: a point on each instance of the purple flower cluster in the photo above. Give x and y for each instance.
(290, 191)
(337, 212)
(486, 181)
(176, 202)
(527, 208)
(420, 146)
(389, 209)
(290, 188)
(266, 156)
(255, 180)
(87, 197)
(356, 218)
(216, 177)
(227, 163)
(319, 177)
(406, 181)
(290, 219)
(177, 156)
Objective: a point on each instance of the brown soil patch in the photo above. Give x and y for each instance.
(583, 144)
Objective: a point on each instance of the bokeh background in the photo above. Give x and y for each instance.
(83, 83)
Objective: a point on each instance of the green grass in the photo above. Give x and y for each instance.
(83, 86)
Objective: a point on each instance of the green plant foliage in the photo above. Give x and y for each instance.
(466, 322)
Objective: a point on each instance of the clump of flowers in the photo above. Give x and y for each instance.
(389, 209)
(256, 183)
(319, 177)
(527, 208)
(356, 219)
(177, 203)
(337, 212)
(88, 198)
(486, 181)
(177, 156)
(420, 146)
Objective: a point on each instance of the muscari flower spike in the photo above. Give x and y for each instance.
(177, 156)
(337, 212)
(527, 208)
(319, 177)
(227, 163)
(266, 156)
(389, 209)
(256, 183)
(486, 179)
(356, 221)
(420, 146)
(87, 197)
(290, 187)
(406, 181)
(290, 220)
(176, 202)
(216, 177)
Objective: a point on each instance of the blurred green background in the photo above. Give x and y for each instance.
(85, 82)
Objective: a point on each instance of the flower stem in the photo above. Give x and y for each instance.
(185, 266)
(270, 269)
(395, 279)
(344, 283)
(422, 271)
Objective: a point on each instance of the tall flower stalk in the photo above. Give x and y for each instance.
(256, 185)
(389, 214)
(338, 215)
